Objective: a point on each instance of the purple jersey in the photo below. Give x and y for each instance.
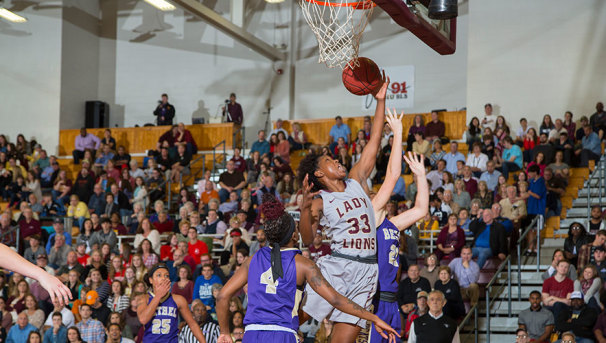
(388, 246)
(273, 302)
(164, 325)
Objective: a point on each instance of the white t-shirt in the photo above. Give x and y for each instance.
(68, 318)
(490, 121)
(477, 161)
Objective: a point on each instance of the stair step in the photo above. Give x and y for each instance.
(503, 293)
(500, 307)
(502, 324)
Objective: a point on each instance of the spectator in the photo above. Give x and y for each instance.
(210, 329)
(536, 204)
(595, 222)
(435, 129)
(577, 237)
(203, 287)
(278, 128)
(488, 120)
(196, 248)
(539, 160)
(70, 264)
(83, 142)
(233, 110)
(58, 253)
(259, 243)
(164, 224)
(410, 287)
(579, 319)
(230, 180)
(116, 335)
(420, 146)
(184, 286)
(477, 160)
(436, 175)
(105, 235)
(8, 238)
(512, 207)
(554, 134)
(267, 187)
(318, 248)
(165, 111)
(589, 284)
(19, 333)
(339, 130)
(452, 157)
(239, 161)
(557, 289)
(260, 145)
(96, 202)
(430, 269)
(467, 273)
(450, 288)
(77, 210)
(511, 159)
(434, 325)
(450, 240)
(559, 168)
(58, 332)
(104, 158)
(92, 330)
(212, 224)
(414, 312)
(598, 119)
(489, 238)
(416, 127)
(555, 189)
(461, 195)
(522, 336)
(297, 139)
(180, 164)
(565, 146)
(67, 317)
(590, 149)
(599, 328)
(34, 250)
(537, 321)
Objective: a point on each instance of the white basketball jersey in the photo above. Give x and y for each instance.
(349, 220)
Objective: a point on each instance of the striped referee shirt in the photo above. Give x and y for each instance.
(209, 329)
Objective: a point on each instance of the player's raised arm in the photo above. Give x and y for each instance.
(235, 283)
(314, 278)
(362, 169)
(12, 261)
(394, 168)
(407, 218)
(145, 311)
(311, 212)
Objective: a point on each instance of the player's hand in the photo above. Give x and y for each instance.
(55, 288)
(415, 163)
(382, 90)
(308, 195)
(395, 121)
(163, 289)
(224, 338)
(385, 330)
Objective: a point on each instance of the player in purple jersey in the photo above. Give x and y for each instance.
(388, 230)
(339, 203)
(159, 310)
(275, 276)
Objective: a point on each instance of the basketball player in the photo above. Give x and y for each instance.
(12, 261)
(345, 212)
(159, 310)
(388, 230)
(275, 277)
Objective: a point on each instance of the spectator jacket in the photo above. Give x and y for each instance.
(498, 239)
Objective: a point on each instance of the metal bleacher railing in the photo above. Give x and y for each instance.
(601, 174)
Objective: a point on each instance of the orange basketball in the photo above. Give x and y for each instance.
(364, 78)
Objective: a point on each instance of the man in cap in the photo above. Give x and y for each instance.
(599, 256)
(579, 318)
(417, 310)
(99, 312)
(59, 229)
(91, 330)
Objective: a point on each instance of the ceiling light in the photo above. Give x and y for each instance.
(10, 16)
(274, 1)
(162, 5)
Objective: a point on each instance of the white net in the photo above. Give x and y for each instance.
(338, 26)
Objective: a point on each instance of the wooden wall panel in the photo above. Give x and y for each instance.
(317, 130)
(140, 139)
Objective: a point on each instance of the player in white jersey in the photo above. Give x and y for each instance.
(342, 207)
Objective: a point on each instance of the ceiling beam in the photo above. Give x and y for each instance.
(229, 28)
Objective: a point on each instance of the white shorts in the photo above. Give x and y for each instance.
(354, 280)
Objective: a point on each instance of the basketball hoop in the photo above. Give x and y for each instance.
(338, 26)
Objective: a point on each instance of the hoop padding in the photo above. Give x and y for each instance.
(338, 26)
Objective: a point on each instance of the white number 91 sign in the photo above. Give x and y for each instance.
(400, 93)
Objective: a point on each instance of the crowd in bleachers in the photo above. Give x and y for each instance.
(102, 231)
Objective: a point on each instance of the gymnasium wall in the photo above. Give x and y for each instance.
(30, 76)
(530, 58)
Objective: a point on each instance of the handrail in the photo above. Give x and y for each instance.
(519, 246)
(193, 174)
(600, 178)
(506, 262)
(472, 311)
(215, 152)
(242, 132)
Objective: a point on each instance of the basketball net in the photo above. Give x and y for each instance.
(338, 26)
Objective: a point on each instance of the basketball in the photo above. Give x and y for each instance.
(364, 78)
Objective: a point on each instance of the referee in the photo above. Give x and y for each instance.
(209, 328)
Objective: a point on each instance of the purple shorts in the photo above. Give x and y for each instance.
(270, 337)
(389, 313)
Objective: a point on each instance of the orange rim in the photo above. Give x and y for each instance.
(359, 5)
